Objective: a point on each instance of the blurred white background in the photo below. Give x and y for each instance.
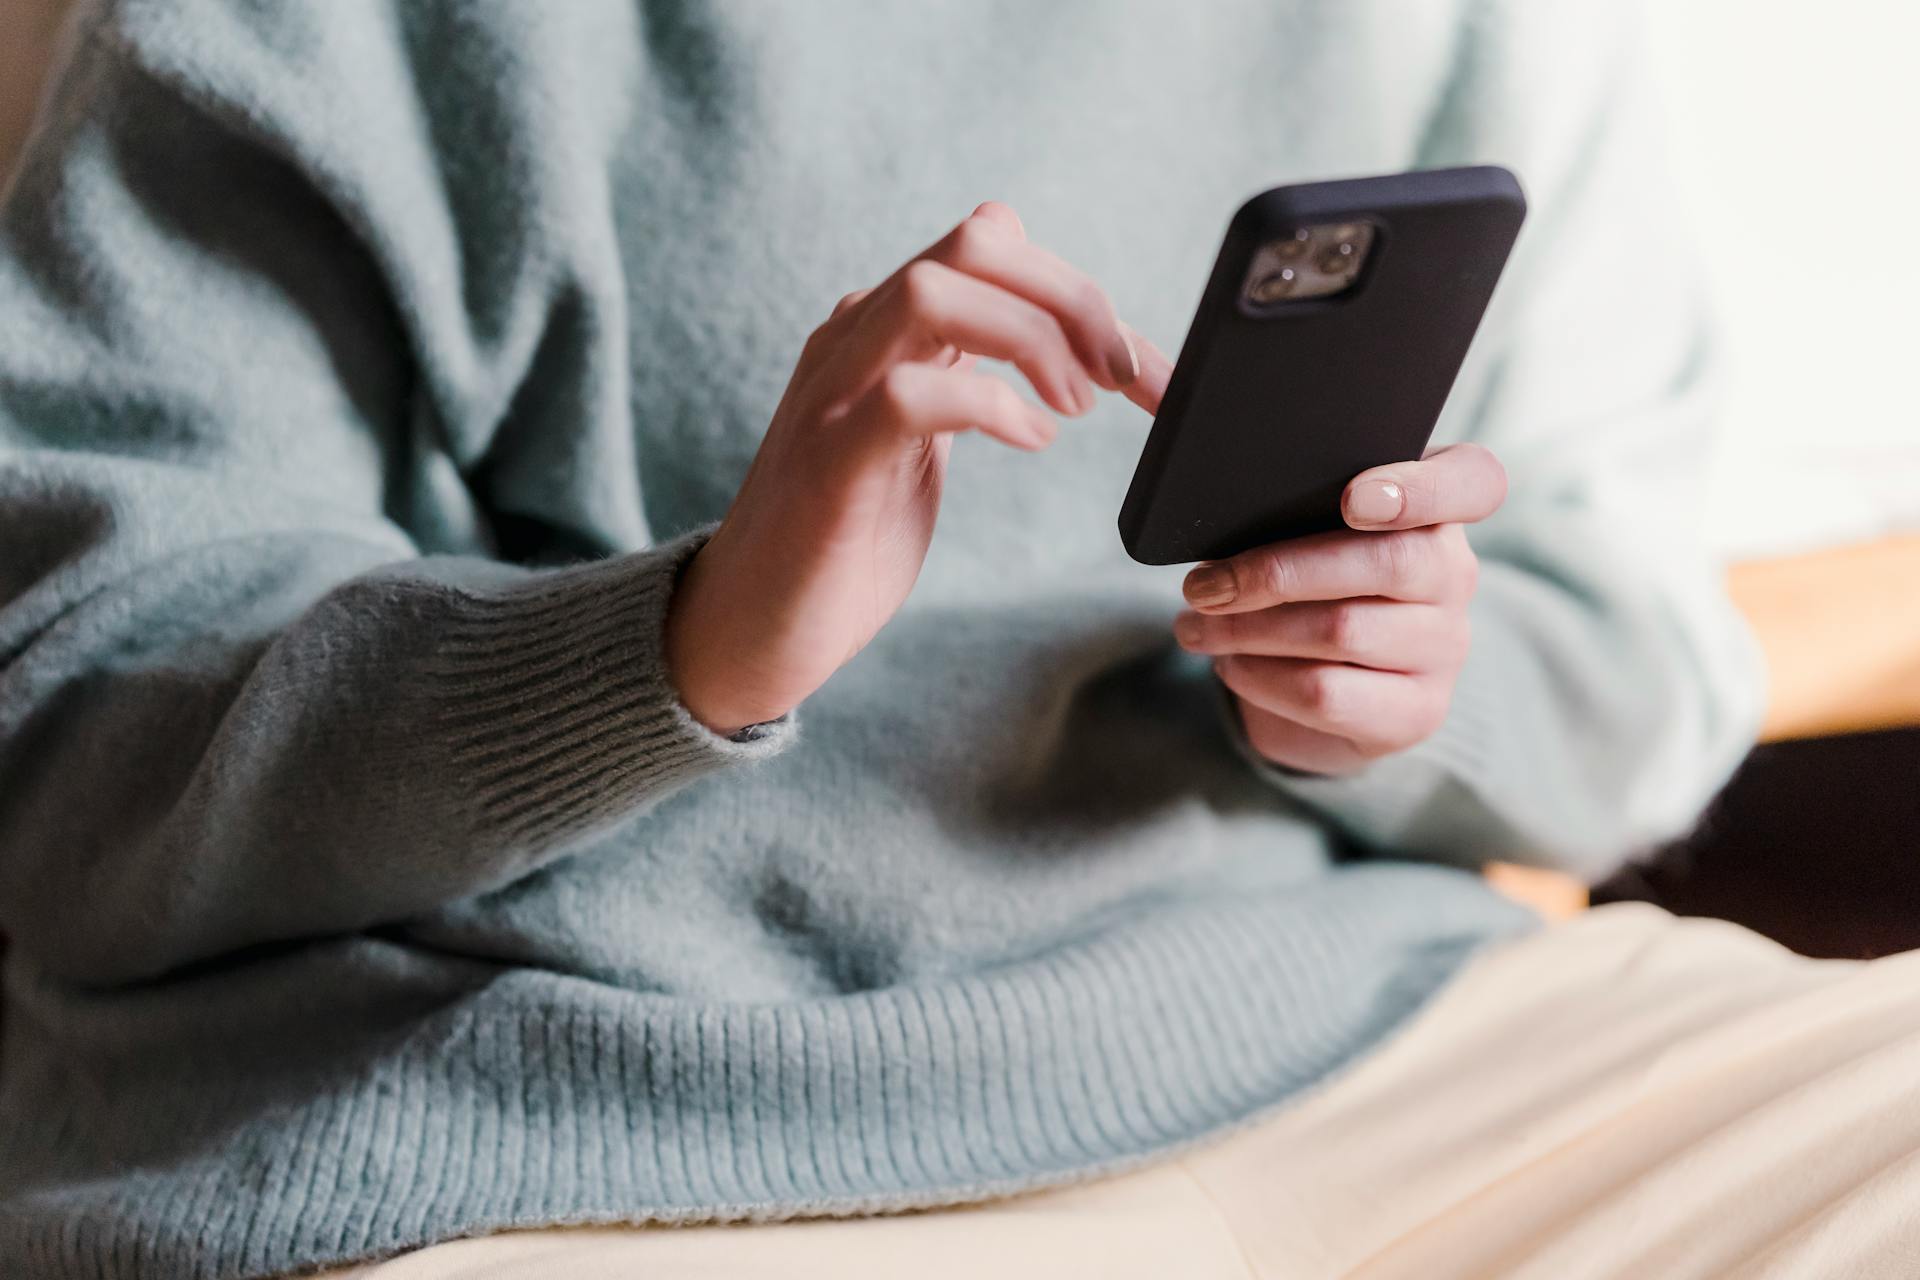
(1793, 136)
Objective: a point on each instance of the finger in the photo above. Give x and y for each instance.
(928, 306)
(1156, 371)
(827, 337)
(1291, 744)
(991, 246)
(1387, 635)
(1459, 483)
(1429, 566)
(1377, 711)
(1001, 213)
(849, 302)
(925, 400)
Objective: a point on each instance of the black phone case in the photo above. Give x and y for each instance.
(1269, 415)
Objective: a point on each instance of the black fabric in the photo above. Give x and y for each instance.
(1815, 843)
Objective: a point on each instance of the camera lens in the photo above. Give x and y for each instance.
(1337, 261)
(1294, 248)
(1273, 286)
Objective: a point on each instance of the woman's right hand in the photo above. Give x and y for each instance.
(832, 523)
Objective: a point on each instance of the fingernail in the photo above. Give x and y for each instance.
(1123, 362)
(1375, 502)
(1210, 584)
(1045, 430)
(1186, 630)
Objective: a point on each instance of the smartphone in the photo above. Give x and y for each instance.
(1327, 340)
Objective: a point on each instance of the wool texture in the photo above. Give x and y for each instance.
(370, 369)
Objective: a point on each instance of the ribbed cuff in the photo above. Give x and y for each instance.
(557, 705)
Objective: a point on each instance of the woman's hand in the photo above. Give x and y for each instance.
(832, 522)
(1343, 647)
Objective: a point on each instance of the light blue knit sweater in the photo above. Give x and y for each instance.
(367, 368)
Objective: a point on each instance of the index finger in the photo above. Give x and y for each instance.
(1417, 565)
(1156, 371)
(1456, 484)
(991, 244)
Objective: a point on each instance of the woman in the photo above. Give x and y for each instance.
(479, 755)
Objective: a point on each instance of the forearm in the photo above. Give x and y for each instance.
(252, 742)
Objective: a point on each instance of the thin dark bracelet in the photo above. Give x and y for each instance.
(755, 732)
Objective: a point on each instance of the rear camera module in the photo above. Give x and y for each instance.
(1308, 262)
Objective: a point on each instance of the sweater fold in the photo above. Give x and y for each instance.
(368, 372)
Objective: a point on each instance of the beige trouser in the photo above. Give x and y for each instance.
(1626, 1094)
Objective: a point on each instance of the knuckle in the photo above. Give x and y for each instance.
(1395, 557)
(1345, 627)
(1323, 695)
(1266, 574)
(1426, 495)
(919, 284)
(847, 302)
(1227, 631)
(895, 390)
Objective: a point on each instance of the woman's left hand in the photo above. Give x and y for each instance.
(1343, 647)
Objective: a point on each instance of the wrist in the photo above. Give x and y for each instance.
(688, 652)
(701, 658)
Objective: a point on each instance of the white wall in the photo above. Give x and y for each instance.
(1795, 136)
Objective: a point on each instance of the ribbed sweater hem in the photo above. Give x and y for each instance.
(530, 1098)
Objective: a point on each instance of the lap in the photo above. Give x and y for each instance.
(1626, 1094)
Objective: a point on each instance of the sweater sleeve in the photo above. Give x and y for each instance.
(1610, 686)
(240, 703)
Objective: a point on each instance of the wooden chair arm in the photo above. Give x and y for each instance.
(1841, 632)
